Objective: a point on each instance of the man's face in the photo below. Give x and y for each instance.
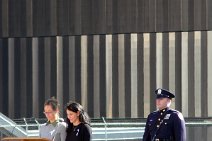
(50, 113)
(162, 103)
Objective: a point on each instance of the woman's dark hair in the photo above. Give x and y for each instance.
(75, 107)
(53, 103)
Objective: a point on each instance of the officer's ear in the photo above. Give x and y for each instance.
(169, 102)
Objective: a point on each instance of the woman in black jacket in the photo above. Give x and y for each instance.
(78, 123)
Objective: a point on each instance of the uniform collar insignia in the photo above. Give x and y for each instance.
(167, 116)
(164, 110)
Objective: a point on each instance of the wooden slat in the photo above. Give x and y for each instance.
(191, 83)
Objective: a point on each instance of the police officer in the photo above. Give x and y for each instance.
(165, 124)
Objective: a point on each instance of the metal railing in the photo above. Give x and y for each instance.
(9, 128)
(102, 129)
(119, 129)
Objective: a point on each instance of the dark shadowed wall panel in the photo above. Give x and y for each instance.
(47, 69)
(115, 75)
(90, 76)
(152, 58)
(141, 14)
(204, 76)
(1, 18)
(44, 17)
(175, 14)
(200, 7)
(26, 18)
(190, 11)
(165, 60)
(86, 16)
(111, 15)
(78, 69)
(51, 17)
(152, 16)
(4, 31)
(191, 74)
(127, 56)
(63, 16)
(75, 17)
(1, 74)
(121, 19)
(127, 15)
(99, 13)
(102, 61)
(38, 12)
(29, 18)
(42, 74)
(17, 18)
(162, 15)
(29, 76)
(4, 76)
(17, 77)
(140, 65)
(184, 16)
(209, 13)
(53, 49)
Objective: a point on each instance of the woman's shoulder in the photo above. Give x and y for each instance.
(62, 124)
(86, 127)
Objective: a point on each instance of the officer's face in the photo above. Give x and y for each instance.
(162, 103)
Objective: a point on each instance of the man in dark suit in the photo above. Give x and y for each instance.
(165, 124)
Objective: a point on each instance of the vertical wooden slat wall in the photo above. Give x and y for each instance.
(34, 69)
(109, 55)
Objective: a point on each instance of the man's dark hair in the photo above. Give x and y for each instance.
(53, 103)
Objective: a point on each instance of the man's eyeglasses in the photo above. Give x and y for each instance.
(47, 113)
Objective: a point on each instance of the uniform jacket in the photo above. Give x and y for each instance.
(167, 124)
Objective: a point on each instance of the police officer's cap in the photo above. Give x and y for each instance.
(162, 93)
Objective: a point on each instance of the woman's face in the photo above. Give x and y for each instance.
(72, 116)
(50, 113)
